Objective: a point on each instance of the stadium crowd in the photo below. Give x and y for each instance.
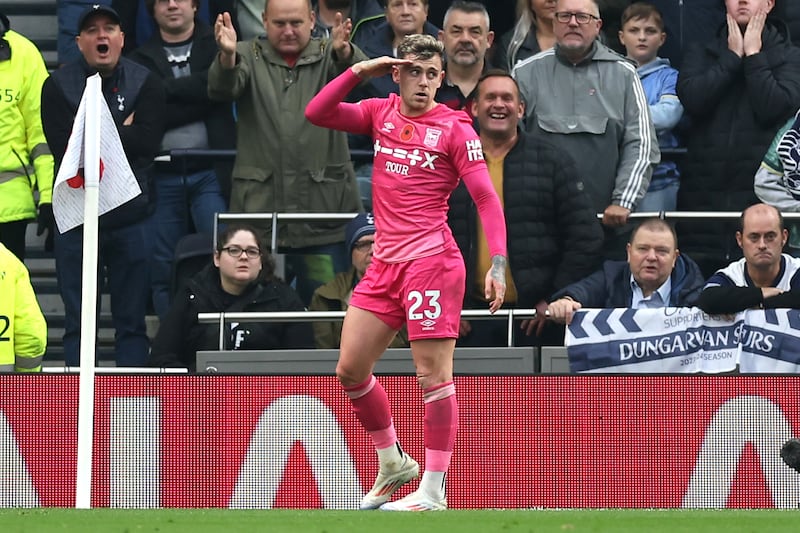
(574, 100)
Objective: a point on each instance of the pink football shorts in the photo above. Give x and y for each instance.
(426, 294)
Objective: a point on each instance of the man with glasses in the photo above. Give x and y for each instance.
(588, 99)
(241, 278)
(764, 277)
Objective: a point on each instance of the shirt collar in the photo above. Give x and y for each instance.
(659, 298)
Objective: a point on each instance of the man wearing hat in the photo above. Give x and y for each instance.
(136, 100)
(335, 295)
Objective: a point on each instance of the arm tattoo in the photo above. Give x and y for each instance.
(498, 271)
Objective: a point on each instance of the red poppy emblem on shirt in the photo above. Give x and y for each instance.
(407, 132)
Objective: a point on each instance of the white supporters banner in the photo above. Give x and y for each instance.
(683, 340)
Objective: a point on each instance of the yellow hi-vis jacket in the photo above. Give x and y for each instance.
(23, 330)
(25, 159)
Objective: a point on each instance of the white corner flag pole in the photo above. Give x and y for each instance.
(83, 489)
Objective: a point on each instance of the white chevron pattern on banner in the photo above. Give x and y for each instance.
(683, 340)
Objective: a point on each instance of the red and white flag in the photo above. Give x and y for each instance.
(117, 182)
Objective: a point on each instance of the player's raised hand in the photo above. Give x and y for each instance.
(376, 67)
(340, 36)
(495, 284)
(225, 34)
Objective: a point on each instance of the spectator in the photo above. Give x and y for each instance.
(532, 33)
(187, 193)
(588, 100)
(25, 160)
(242, 279)
(655, 275)
(23, 330)
(136, 101)
(502, 14)
(139, 26)
(249, 20)
(642, 35)
(738, 90)
(380, 37)
(764, 277)
(777, 180)
(466, 37)
(335, 295)
(284, 163)
(68, 13)
(554, 238)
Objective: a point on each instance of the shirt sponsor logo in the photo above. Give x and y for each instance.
(432, 137)
(474, 150)
(413, 157)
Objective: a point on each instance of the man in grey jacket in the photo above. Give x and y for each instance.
(588, 99)
(285, 164)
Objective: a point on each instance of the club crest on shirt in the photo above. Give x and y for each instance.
(432, 137)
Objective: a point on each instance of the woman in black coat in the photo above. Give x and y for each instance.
(241, 278)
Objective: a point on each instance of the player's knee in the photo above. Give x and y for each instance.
(426, 381)
(348, 376)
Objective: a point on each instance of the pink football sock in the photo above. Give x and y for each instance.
(441, 425)
(371, 406)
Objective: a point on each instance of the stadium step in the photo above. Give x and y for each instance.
(38, 21)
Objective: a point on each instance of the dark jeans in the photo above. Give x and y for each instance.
(182, 201)
(124, 257)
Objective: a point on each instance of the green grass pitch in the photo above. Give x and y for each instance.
(46, 520)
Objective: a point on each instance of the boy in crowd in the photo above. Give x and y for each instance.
(643, 35)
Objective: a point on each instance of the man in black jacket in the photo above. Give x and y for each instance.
(764, 277)
(188, 191)
(136, 101)
(737, 90)
(554, 237)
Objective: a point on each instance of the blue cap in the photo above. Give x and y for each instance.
(362, 224)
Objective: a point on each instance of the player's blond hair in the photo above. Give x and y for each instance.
(420, 46)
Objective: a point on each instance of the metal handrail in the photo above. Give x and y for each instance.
(324, 316)
(276, 217)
